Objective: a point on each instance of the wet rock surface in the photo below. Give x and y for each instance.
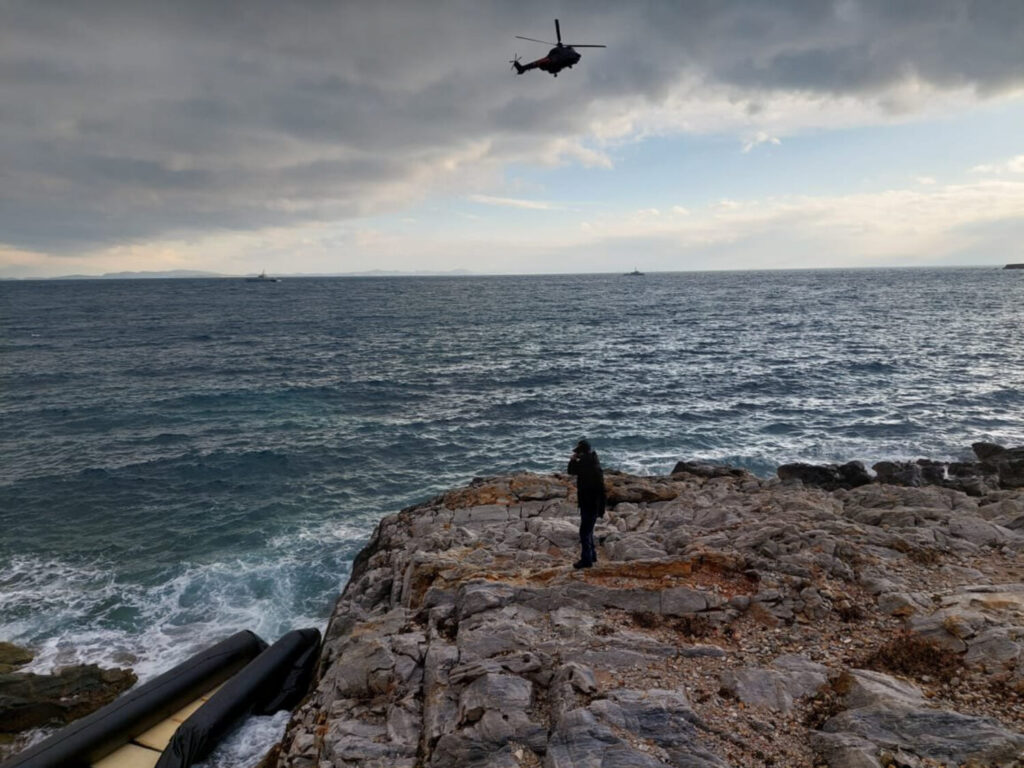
(29, 701)
(13, 657)
(994, 468)
(730, 621)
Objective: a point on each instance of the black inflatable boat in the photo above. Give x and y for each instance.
(177, 719)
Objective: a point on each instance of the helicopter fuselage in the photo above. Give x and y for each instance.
(558, 58)
(561, 56)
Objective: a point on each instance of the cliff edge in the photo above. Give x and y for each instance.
(730, 621)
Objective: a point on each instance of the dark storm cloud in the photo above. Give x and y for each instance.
(122, 120)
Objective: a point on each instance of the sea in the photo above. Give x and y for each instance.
(181, 459)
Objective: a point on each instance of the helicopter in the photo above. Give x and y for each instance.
(561, 56)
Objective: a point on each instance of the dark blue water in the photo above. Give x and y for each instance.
(183, 458)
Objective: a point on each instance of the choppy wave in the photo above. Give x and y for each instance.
(183, 459)
(248, 744)
(86, 613)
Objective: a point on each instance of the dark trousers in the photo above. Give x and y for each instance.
(587, 552)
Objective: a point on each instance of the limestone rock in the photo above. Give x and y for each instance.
(791, 678)
(464, 636)
(629, 488)
(885, 714)
(845, 750)
(936, 734)
(866, 688)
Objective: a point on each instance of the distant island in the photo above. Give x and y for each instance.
(170, 273)
(1014, 266)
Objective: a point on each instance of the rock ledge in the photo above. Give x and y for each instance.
(731, 621)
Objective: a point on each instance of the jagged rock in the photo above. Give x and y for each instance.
(587, 737)
(29, 700)
(932, 472)
(985, 451)
(899, 473)
(845, 750)
(1010, 468)
(503, 693)
(854, 474)
(813, 475)
(793, 677)
(972, 478)
(681, 601)
(996, 648)
(464, 636)
(902, 603)
(827, 476)
(1007, 464)
(708, 469)
(967, 621)
(632, 547)
(506, 491)
(886, 714)
(621, 488)
(935, 734)
(13, 656)
(867, 688)
(978, 531)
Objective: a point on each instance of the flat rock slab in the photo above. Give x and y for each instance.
(791, 678)
(948, 737)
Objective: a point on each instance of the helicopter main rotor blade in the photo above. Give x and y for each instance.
(584, 45)
(558, 32)
(533, 40)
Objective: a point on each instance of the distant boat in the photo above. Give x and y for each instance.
(1014, 266)
(635, 273)
(262, 278)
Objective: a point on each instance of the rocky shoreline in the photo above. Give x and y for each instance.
(29, 701)
(827, 617)
(832, 616)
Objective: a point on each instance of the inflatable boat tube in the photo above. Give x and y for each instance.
(277, 679)
(95, 736)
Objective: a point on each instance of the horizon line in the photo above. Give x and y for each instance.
(186, 274)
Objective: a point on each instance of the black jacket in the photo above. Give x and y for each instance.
(589, 482)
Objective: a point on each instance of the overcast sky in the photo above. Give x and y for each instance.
(346, 136)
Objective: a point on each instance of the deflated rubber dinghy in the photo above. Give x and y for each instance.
(178, 718)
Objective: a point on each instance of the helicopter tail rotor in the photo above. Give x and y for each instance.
(519, 68)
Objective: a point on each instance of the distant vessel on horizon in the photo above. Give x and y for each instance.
(635, 273)
(1014, 266)
(262, 278)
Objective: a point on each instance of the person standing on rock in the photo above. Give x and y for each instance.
(590, 498)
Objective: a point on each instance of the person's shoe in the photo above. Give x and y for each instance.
(582, 564)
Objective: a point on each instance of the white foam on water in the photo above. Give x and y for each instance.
(75, 614)
(30, 586)
(247, 745)
(331, 532)
(62, 611)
